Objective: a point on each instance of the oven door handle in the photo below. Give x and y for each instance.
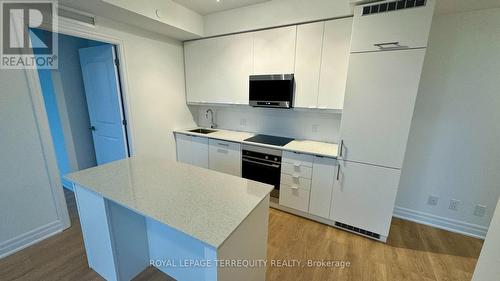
(260, 163)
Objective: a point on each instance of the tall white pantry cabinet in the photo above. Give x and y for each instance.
(382, 84)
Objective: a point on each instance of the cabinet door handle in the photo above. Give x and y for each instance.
(341, 148)
(389, 45)
(223, 144)
(338, 172)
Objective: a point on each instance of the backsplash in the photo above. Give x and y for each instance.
(298, 124)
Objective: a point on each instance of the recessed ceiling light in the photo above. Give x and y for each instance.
(218, 1)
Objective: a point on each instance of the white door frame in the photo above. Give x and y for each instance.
(73, 28)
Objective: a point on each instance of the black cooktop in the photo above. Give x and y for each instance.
(271, 140)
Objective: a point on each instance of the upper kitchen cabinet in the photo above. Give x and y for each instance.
(308, 64)
(334, 63)
(392, 24)
(217, 69)
(274, 50)
(321, 61)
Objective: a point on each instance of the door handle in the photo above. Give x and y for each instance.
(338, 172)
(92, 128)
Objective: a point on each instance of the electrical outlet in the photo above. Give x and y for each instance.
(433, 200)
(480, 211)
(315, 128)
(454, 203)
(243, 122)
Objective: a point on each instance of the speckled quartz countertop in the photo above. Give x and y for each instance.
(302, 146)
(204, 204)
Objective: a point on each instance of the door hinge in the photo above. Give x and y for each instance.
(117, 62)
(124, 122)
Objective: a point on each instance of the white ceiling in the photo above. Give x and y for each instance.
(204, 7)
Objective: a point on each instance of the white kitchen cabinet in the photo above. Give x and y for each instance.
(308, 64)
(378, 108)
(192, 150)
(217, 69)
(294, 197)
(334, 63)
(225, 157)
(199, 151)
(324, 173)
(183, 143)
(321, 61)
(364, 196)
(200, 59)
(274, 50)
(407, 27)
(295, 184)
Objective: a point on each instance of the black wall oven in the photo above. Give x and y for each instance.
(263, 165)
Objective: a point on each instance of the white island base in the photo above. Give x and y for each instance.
(120, 243)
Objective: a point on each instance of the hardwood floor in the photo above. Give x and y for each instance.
(413, 252)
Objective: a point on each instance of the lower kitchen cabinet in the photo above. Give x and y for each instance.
(192, 150)
(364, 196)
(225, 157)
(323, 176)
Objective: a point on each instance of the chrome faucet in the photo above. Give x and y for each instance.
(212, 122)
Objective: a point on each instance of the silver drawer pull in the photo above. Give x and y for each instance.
(223, 144)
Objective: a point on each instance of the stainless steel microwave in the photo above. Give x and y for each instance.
(274, 90)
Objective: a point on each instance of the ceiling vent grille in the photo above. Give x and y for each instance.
(70, 14)
(392, 6)
(358, 230)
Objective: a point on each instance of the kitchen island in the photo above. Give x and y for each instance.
(189, 222)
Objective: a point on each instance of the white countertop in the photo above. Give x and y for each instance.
(204, 204)
(302, 146)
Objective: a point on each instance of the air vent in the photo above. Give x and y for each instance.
(392, 6)
(70, 14)
(358, 230)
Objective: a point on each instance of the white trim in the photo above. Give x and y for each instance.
(49, 154)
(77, 29)
(468, 229)
(27, 239)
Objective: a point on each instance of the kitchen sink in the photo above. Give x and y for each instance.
(203, 131)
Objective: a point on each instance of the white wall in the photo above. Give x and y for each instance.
(274, 13)
(453, 150)
(28, 208)
(281, 122)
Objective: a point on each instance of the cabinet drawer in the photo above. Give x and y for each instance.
(294, 198)
(295, 158)
(298, 182)
(225, 157)
(225, 144)
(296, 170)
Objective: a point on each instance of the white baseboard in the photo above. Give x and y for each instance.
(469, 229)
(27, 239)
